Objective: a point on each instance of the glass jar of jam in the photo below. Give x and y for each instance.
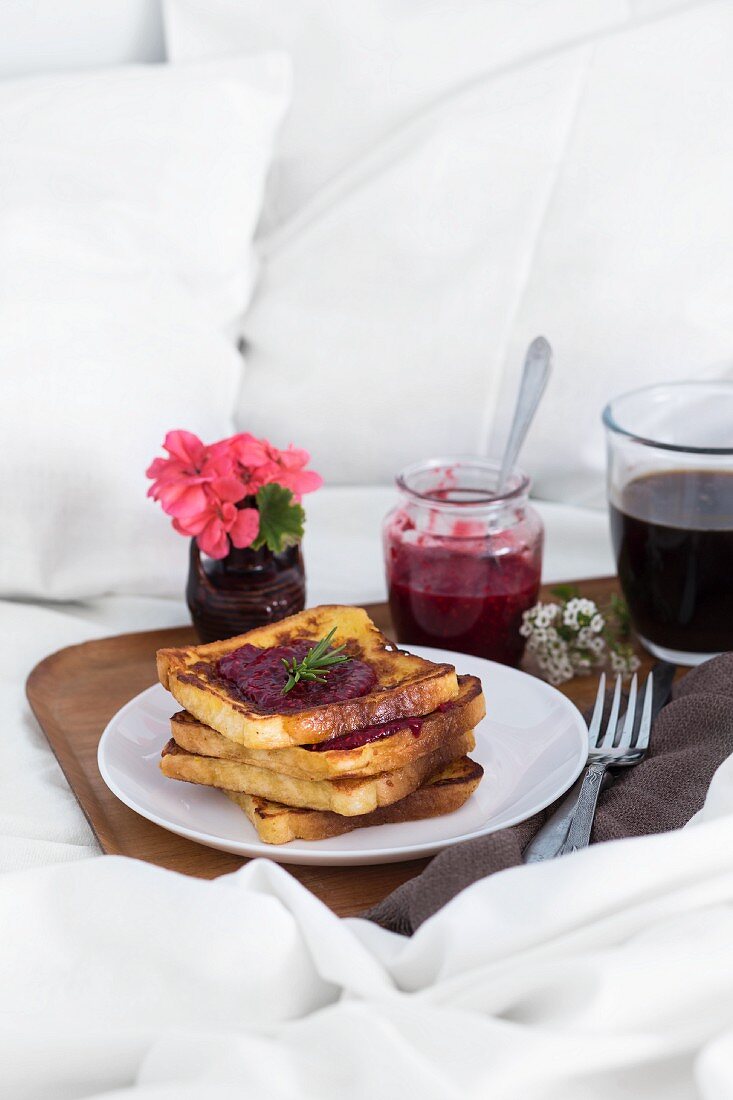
(463, 562)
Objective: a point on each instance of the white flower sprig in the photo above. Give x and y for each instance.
(573, 637)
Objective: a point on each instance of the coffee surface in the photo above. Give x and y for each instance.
(673, 539)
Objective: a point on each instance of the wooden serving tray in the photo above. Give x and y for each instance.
(75, 692)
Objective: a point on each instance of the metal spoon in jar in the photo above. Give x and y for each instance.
(536, 371)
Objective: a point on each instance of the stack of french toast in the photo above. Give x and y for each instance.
(318, 724)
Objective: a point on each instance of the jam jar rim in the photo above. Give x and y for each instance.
(518, 488)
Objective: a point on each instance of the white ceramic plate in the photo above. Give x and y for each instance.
(532, 746)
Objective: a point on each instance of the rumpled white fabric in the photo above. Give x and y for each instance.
(606, 974)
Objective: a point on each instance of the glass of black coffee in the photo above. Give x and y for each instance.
(670, 492)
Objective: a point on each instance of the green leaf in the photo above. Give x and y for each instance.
(620, 616)
(565, 592)
(281, 519)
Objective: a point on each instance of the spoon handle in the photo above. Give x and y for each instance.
(536, 371)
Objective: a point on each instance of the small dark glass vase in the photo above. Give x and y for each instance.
(247, 588)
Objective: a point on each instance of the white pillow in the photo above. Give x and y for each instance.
(632, 271)
(129, 198)
(52, 35)
(364, 67)
(586, 196)
(379, 331)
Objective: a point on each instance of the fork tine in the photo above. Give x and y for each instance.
(642, 741)
(607, 741)
(595, 722)
(625, 739)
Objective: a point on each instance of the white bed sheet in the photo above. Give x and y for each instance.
(606, 974)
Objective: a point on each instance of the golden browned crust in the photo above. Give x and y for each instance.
(443, 793)
(341, 796)
(400, 748)
(407, 686)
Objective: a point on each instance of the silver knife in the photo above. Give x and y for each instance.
(553, 834)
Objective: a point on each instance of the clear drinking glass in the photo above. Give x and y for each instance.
(670, 493)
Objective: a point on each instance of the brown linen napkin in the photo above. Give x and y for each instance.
(692, 735)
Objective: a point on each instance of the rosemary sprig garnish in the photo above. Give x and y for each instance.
(316, 664)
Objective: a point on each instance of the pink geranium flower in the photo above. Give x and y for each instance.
(217, 524)
(200, 487)
(180, 481)
(251, 460)
(289, 470)
(258, 463)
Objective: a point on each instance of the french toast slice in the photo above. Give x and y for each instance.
(405, 686)
(394, 750)
(443, 793)
(349, 797)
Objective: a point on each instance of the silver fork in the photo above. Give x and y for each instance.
(604, 754)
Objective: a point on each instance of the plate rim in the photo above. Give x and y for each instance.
(370, 856)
